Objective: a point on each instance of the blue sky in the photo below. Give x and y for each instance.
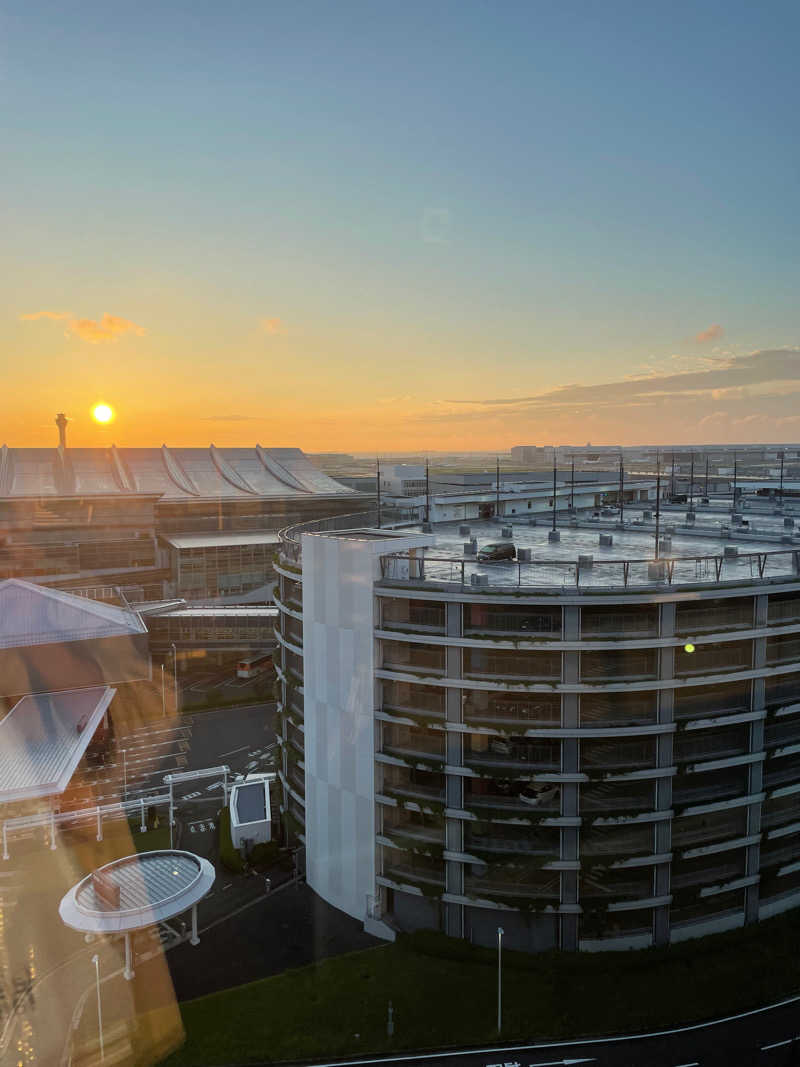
(436, 203)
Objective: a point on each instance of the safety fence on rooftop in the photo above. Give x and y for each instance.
(290, 535)
(589, 572)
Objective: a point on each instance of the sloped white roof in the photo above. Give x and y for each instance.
(35, 615)
(43, 738)
(170, 473)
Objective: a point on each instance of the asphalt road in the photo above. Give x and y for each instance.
(238, 736)
(763, 1038)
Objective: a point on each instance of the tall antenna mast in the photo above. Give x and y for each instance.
(427, 491)
(554, 486)
(621, 489)
(658, 498)
(497, 491)
(378, 482)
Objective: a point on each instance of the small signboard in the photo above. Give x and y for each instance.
(106, 890)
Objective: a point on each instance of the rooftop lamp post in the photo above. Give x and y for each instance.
(500, 933)
(96, 962)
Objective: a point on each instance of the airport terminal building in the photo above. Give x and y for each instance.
(194, 523)
(588, 746)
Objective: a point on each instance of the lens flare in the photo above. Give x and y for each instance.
(689, 647)
(102, 413)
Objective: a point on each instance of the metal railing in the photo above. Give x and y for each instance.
(403, 568)
(52, 820)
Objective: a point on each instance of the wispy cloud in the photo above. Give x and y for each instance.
(273, 326)
(713, 333)
(108, 328)
(230, 418)
(763, 376)
(33, 316)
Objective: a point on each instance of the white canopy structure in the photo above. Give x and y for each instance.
(36, 615)
(44, 737)
(137, 891)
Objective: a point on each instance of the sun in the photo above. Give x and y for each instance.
(102, 413)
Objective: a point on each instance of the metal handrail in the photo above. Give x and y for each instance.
(759, 559)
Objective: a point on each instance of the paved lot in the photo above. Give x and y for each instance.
(291, 927)
(242, 737)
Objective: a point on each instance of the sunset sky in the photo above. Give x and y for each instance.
(365, 226)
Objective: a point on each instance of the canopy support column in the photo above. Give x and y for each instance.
(128, 972)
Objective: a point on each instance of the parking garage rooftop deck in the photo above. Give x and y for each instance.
(711, 551)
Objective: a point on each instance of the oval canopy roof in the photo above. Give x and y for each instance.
(137, 891)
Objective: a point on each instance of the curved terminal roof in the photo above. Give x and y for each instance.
(35, 615)
(137, 891)
(170, 473)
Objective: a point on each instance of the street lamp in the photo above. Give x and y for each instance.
(96, 962)
(175, 675)
(500, 932)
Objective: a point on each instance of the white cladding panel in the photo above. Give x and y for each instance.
(339, 729)
(339, 701)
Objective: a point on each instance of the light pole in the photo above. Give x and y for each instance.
(500, 932)
(175, 675)
(163, 695)
(96, 962)
(124, 774)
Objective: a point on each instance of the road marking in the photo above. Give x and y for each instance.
(191, 796)
(547, 1063)
(233, 751)
(694, 1063)
(214, 785)
(778, 1044)
(608, 1040)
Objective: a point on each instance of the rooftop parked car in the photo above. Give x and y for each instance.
(497, 551)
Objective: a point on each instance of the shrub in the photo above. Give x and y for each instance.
(264, 854)
(229, 856)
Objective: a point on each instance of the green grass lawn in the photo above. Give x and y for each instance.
(444, 994)
(150, 840)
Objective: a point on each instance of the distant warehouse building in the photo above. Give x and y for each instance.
(596, 745)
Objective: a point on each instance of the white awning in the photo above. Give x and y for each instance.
(223, 540)
(44, 737)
